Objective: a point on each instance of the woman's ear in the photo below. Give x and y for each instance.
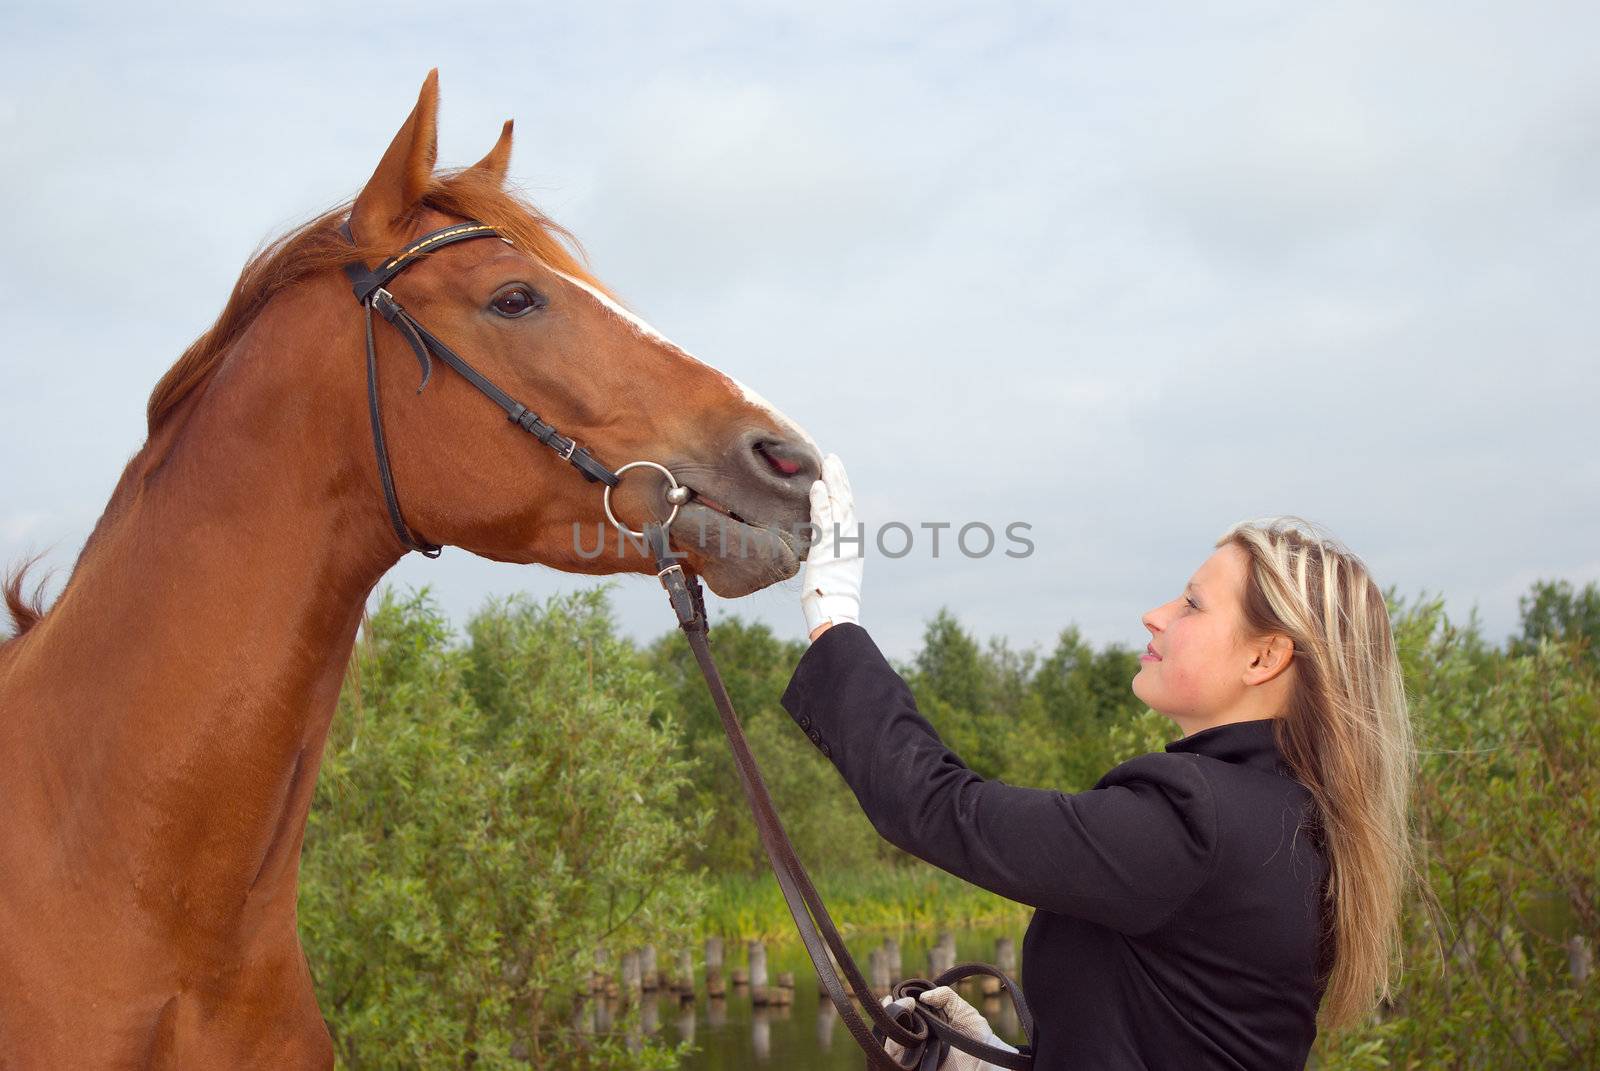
(1270, 656)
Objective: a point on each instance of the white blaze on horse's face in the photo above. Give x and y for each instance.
(749, 395)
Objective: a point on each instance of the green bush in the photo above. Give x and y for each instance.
(821, 816)
(487, 817)
(1508, 808)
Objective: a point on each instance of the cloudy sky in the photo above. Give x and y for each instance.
(1125, 273)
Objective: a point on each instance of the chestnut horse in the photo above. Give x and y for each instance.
(163, 722)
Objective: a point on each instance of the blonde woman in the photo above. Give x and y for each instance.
(1199, 907)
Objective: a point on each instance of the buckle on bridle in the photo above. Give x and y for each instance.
(387, 307)
(676, 583)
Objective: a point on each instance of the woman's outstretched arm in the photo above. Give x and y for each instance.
(1125, 854)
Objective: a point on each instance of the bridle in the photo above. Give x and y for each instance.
(922, 1031)
(370, 290)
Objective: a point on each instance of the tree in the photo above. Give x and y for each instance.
(1553, 610)
(950, 665)
(1085, 694)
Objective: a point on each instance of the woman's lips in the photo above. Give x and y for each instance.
(1149, 654)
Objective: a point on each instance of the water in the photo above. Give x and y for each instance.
(731, 1034)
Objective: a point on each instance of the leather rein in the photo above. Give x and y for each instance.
(924, 1032)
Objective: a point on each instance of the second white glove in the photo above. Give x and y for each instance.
(963, 1017)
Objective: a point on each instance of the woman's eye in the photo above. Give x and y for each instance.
(515, 301)
(1190, 602)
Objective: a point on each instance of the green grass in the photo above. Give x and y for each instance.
(752, 907)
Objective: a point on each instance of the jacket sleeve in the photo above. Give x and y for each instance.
(1125, 854)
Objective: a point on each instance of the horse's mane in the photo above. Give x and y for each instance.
(317, 246)
(25, 611)
(310, 248)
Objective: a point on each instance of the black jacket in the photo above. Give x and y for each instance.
(1179, 915)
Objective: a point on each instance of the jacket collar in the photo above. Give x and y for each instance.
(1247, 743)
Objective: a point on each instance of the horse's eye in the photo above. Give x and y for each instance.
(516, 301)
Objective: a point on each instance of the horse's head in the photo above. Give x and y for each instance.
(527, 316)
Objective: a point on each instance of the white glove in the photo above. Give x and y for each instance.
(832, 576)
(964, 1018)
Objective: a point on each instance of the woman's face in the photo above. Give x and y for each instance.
(1203, 670)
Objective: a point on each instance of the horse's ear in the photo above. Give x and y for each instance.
(498, 161)
(403, 173)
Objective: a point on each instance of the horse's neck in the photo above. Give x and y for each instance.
(179, 692)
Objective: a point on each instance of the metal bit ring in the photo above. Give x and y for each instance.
(670, 479)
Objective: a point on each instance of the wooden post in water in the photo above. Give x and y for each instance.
(649, 974)
(605, 979)
(650, 1012)
(669, 972)
(758, 974)
(878, 972)
(1005, 958)
(1005, 955)
(686, 975)
(632, 984)
(784, 994)
(942, 956)
(582, 1016)
(586, 984)
(715, 987)
(891, 951)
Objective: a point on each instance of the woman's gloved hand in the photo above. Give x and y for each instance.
(832, 575)
(963, 1017)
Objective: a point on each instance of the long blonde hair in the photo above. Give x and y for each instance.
(1347, 736)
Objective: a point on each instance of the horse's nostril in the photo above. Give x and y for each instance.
(783, 466)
